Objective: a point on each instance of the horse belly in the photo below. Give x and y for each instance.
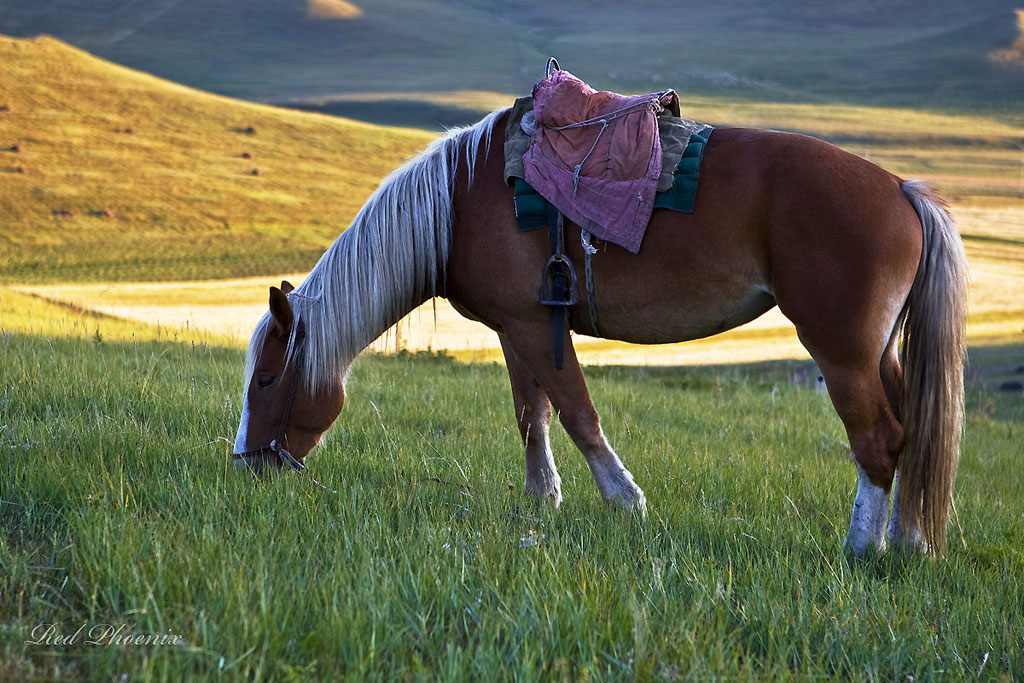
(697, 313)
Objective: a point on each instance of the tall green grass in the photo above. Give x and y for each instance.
(119, 504)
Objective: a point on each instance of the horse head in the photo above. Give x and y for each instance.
(283, 416)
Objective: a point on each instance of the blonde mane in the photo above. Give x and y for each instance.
(392, 255)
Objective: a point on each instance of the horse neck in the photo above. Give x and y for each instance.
(371, 318)
(395, 255)
(362, 286)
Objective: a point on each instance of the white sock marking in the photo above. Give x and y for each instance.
(543, 478)
(897, 535)
(870, 513)
(614, 480)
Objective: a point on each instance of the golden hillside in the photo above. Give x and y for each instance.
(108, 173)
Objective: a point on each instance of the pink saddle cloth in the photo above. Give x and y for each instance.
(597, 156)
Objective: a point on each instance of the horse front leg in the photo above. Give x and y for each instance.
(533, 415)
(532, 347)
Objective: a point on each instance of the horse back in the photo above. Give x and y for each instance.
(775, 214)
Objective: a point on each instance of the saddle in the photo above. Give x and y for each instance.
(603, 160)
(597, 155)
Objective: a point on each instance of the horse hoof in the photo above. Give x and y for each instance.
(864, 548)
(640, 503)
(632, 499)
(619, 489)
(911, 542)
(550, 491)
(552, 497)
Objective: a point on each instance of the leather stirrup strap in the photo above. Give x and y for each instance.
(559, 314)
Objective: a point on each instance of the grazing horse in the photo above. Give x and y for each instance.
(855, 257)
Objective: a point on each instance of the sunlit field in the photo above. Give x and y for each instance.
(229, 309)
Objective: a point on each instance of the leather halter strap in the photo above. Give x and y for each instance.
(246, 460)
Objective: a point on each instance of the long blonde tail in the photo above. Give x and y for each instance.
(932, 355)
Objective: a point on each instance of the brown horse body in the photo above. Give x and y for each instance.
(780, 219)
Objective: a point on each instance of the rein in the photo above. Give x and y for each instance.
(247, 459)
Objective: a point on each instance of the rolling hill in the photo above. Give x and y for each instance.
(941, 55)
(110, 174)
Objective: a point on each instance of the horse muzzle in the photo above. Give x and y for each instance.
(254, 460)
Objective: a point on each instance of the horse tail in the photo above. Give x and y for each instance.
(932, 355)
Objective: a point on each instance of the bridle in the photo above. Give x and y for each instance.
(248, 459)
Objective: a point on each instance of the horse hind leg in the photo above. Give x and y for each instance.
(847, 311)
(876, 440)
(533, 415)
(892, 373)
(892, 379)
(862, 377)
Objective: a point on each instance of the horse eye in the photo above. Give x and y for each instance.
(265, 380)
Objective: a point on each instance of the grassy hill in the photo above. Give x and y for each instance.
(944, 55)
(107, 173)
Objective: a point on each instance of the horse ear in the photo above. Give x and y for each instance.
(286, 286)
(281, 310)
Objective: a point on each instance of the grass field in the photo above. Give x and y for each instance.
(119, 505)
